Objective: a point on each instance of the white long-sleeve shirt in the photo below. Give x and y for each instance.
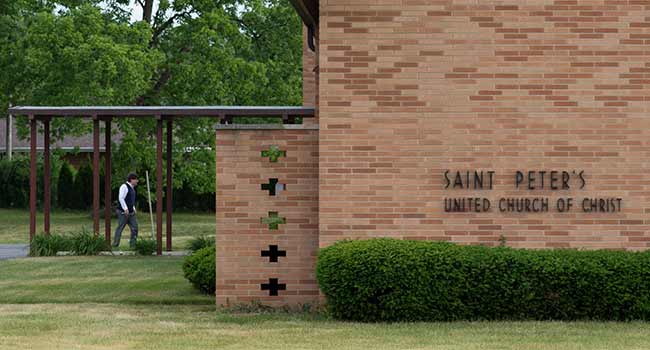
(124, 191)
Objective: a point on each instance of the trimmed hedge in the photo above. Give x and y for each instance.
(396, 280)
(200, 269)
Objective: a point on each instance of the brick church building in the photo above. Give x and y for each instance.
(525, 123)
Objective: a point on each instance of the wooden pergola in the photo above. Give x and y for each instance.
(162, 115)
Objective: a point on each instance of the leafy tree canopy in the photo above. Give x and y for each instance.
(189, 52)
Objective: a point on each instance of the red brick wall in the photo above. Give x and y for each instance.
(241, 203)
(411, 88)
(309, 71)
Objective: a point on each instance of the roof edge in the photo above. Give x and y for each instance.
(308, 11)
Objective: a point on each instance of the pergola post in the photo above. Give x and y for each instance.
(32, 178)
(47, 172)
(170, 187)
(107, 180)
(159, 183)
(96, 175)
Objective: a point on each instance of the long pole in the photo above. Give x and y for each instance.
(47, 169)
(107, 180)
(32, 178)
(95, 175)
(159, 184)
(169, 188)
(150, 209)
(10, 135)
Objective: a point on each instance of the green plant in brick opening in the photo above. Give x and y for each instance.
(274, 153)
(274, 220)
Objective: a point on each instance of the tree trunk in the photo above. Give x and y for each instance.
(147, 11)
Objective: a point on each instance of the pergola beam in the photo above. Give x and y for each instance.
(47, 176)
(169, 189)
(159, 182)
(107, 180)
(32, 178)
(95, 175)
(172, 111)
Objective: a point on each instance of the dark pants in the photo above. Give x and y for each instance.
(122, 220)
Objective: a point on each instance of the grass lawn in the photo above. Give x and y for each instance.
(144, 303)
(14, 226)
(101, 326)
(102, 279)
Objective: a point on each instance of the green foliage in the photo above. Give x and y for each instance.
(394, 280)
(145, 246)
(274, 153)
(197, 243)
(68, 193)
(14, 181)
(86, 243)
(43, 245)
(273, 221)
(187, 199)
(191, 52)
(200, 269)
(83, 187)
(72, 189)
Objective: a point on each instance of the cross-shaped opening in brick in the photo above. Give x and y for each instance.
(274, 153)
(274, 187)
(274, 220)
(273, 286)
(273, 253)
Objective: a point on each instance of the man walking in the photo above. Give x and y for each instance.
(126, 211)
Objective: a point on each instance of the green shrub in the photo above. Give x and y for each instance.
(197, 243)
(84, 186)
(68, 192)
(14, 182)
(43, 245)
(86, 243)
(200, 269)
(145, 246)
(395, 280)
(72, 189)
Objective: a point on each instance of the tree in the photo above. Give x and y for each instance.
(189, 52)
(68, 198)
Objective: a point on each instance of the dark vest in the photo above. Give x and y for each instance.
(130, 198)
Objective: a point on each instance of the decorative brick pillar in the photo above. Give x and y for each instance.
(267, 214)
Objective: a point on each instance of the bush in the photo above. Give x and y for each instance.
(68, 193)
(197, 243)
(394, 280)
(72, 189)
(84, 186)
(14, 183)
(86, 243)
(145, 246)
(43, 245)
(200, 269)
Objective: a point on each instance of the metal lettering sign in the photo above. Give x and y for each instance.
(533, 180)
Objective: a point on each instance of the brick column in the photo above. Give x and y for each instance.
(267, 214)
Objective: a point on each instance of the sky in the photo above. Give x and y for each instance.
(136, 13)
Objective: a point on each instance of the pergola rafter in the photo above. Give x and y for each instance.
(224, 114)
